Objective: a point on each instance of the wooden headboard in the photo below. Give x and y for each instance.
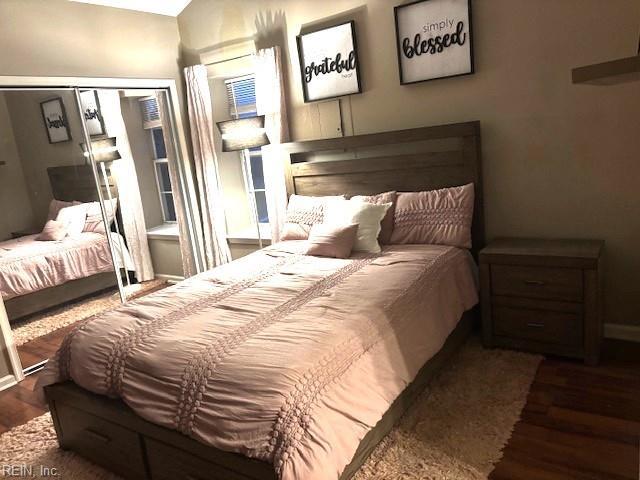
(76, 183)
(417, 159)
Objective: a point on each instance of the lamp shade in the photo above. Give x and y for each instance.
(243, 133)
(103, 150)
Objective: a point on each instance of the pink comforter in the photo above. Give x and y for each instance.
(28, 265)
(282, 357)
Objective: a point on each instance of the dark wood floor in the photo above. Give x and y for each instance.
(41, 348)
(579, 422)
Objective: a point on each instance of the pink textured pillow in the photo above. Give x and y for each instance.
(52, 231)
(326, 240)
(303, 212)
(387, 222)
(435, 217)
(56, 205)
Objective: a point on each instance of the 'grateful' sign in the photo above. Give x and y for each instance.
(329, 62)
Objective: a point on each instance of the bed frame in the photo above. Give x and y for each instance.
(68, 183)
(107, 432)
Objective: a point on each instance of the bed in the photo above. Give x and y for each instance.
(279, 365)
(37, 275)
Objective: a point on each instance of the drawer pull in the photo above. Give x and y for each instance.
(535, 325)
(535, 283)
(191, 477)
(97, 436)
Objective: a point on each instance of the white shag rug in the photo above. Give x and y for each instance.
(41, 324)
(456, 430)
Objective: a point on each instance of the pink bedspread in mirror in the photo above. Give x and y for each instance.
(28, 265)
(286, 358)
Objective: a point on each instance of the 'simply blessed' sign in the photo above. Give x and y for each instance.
(434, 39)
(329, 62)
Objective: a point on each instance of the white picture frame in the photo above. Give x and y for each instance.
(329, 64)
(434, 40)
(92, 113)
(55, 120)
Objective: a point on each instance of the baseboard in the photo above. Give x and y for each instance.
(6, 382)
(169, 278)
(622, 332)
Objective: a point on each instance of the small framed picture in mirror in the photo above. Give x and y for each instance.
(92, 113)
(329, 62)
(55, 120)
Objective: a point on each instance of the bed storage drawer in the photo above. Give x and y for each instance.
(112, 446)
(564, 328)
(169, 463)
(537, 282)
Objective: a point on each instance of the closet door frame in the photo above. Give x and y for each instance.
(184, 168)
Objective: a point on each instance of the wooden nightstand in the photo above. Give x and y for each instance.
(543, 296)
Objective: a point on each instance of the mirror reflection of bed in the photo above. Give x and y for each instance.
(50, 282)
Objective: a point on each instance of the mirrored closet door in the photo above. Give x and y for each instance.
(133, 150)
(93, 208)
(56, 263)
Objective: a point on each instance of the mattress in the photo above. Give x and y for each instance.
(28, 265)
(282, 357)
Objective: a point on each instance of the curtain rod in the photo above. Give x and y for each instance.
(229, 59)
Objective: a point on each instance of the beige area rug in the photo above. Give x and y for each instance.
(455, 431)
(51, 320)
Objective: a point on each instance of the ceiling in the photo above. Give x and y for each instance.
(162, 7)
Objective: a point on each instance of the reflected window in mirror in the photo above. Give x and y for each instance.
(153, 123)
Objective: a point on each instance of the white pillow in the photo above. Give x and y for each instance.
(73, 219)
(367, 215)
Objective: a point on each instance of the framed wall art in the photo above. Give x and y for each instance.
(329, 62)
(434, 39)
(91, 112)
(55, 120)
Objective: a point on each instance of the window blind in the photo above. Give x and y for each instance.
(150, 112)
(241, 96)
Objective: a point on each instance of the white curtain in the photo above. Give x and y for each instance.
(270, 102)
(124, 173)
(216, 248)
(186, 247)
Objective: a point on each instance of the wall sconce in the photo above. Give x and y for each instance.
(103, 150)
(243, 134)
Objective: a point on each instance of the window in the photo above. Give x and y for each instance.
(153, 124)
(241, 99)
(163, 179)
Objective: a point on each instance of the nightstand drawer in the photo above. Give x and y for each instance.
(537, 282)
(539, 325)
